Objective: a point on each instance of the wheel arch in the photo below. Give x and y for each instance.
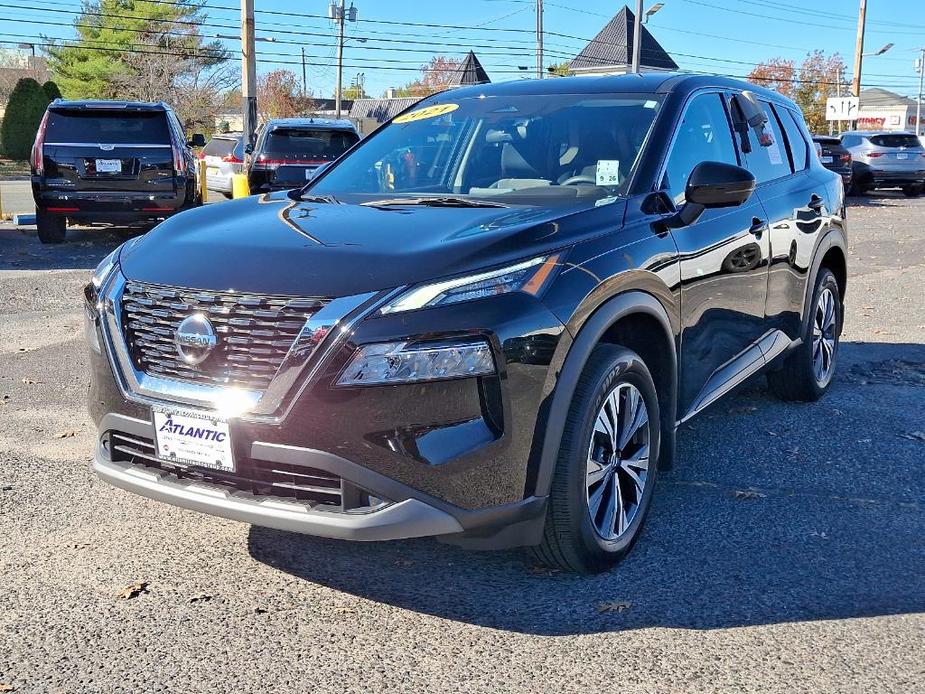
(831, 253)
(634, 319)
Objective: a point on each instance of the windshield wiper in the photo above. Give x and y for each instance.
(439, 201)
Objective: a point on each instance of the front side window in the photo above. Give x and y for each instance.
(523, 149)
(704, 135)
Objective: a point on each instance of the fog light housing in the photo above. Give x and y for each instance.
(407, 362)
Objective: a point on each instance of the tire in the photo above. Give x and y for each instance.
(912, 191)
(572, 541)
(51, 228)
(855, 189)
(799, 378)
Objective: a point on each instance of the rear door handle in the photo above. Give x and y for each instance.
(758, 226)
(816, 203)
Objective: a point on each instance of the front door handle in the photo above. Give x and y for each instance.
(816, 203)
(758, 226)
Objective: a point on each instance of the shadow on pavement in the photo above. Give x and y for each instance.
(84, 248)
(835, 531)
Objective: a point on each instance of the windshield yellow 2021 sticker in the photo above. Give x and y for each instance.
(427, 112)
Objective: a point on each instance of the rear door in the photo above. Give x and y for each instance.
(723, 264)
(108, 150)
(798, 208)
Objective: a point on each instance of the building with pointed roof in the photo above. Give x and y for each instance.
(470, 72)
(611, 51)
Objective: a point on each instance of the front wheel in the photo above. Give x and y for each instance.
(605, 473)
(807, 372)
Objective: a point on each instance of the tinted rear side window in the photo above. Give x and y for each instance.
(796, 139)
(898, 140)
(92, 127)
(305, 143)
(219, 147)
(768, 163)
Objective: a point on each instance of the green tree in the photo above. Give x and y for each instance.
(144, 50)
(23, 115)
(51, 90)
(560, 69)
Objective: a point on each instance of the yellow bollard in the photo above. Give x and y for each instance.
(203, 188)
(239, 186)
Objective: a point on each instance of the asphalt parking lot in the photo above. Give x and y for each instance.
(784, 552)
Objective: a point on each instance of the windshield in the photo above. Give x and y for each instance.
(529, 149)
(307, 143)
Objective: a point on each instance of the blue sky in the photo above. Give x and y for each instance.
(725, 36)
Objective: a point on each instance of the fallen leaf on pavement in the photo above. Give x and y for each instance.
(820, 535)
(70, 433)
(914, 436)
(748, 494)
(344, 610)
(201, 597)
(540, 570)
(744, 409)
(260, 610)
(4, 687)
(133, 590)
(615, 606)
(29, 382)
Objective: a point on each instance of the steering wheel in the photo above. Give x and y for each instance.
(573, 180)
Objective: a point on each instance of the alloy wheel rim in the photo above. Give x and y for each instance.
(824, 336)
(618, 461)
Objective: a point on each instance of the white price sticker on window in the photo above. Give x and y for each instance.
(608, 172)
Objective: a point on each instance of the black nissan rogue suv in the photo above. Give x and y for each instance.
(110, 162)
(483, 323)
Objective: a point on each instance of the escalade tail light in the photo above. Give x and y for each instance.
(38, 153)
(177, 159)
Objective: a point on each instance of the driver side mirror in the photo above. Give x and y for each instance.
(198, 140)
(713, 184)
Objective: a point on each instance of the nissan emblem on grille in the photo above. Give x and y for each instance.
(195, 339)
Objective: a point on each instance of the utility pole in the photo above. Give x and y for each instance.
(248, 70)
(637, 37)
(340, 56)
(920, 64)
(304, 82)
(539, 39)
(859, 49)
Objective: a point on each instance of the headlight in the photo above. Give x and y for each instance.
(529, 276)
(403, 362)
(92, 296)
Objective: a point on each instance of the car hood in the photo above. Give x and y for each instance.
(271, 244)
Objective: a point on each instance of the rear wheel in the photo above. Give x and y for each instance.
(912, 191)
(807, 372)
(603, 482)
(52, 228)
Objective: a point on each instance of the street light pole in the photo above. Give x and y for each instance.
(637, 37)
(340, 57)
(248, 70)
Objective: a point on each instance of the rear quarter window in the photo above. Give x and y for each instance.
(796, 139)
(768, 163)
(92, 127)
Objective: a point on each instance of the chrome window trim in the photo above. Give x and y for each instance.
(320, 335)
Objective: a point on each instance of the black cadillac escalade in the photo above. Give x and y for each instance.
(484, 323)
(123, 163)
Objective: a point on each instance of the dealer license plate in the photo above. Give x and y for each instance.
(902, 156)
(827, 160)
(109, 166)
(186, 437)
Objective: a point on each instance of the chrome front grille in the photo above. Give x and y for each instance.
(254, 332)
